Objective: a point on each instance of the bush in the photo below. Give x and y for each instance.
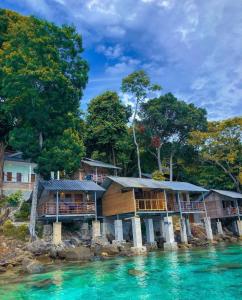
(157, 175)
(24, 212)
(12, 200)
(19, 232)
(8, 228)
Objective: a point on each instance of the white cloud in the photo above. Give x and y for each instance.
(110, 52)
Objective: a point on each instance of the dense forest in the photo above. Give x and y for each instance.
(42, 79)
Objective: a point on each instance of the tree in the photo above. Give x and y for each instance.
(42, 78)
(221, 146)
(167, 122)
(106, 126)
(138, 85)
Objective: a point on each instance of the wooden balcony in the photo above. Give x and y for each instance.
(150, 205)
(99, 178)
(194, 206)
(231, 211)
(66, 208)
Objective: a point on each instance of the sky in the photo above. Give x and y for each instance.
(192, 48)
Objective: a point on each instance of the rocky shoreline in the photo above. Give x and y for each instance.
(35, 257)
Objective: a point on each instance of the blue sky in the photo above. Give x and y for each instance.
(193, 48)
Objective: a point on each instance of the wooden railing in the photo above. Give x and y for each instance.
(67, 208)
(97, 178)
(150, 204)
(189, 206)
(231, 211)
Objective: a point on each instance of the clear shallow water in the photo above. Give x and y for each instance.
(214, 273)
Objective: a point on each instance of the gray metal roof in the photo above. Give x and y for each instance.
(229, 194)
(130, 182)
(96, 163)
(71, 185)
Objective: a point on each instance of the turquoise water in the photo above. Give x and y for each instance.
(214, 273)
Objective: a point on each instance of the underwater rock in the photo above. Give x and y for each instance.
(32, 266)
(135, 272)
(75, 254)
(43, 283)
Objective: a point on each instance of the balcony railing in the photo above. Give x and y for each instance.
(231, 211)
(189, 206)
(97, 178)
(67, 208)
(150, 204)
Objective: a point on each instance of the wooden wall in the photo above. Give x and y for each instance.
(214, 205)
(116, 202)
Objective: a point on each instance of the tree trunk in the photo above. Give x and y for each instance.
(135, 140)
(2, 151)
(226, 171)
(33, 213)
(159, 159)
(114, 157)
(171, 166)
(34, 208)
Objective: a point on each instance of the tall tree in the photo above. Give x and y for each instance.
(106, 126)
(221, 145)
(138, 85)
(42, 78)
(168, 122)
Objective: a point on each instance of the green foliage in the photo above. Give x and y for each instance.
(157, 175)
(8, 228)
(12, 200)
(19, 232)
(24, 212)
(221, 146)
(106, 127)
(42, 78)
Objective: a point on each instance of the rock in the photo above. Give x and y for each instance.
(138, 250)
(110, 249)
(3, 269)
(135, 272)
(80, 253)
(32, 266)
(39, 247)
(45, 283)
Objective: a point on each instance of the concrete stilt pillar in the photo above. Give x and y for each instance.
(219, 228)
(183, 230)
(170, 243)
(149, 231)
(103, 229)
(162, 229)
(208, 228)
(57, 233)
(136, 229)
(239, 225)
(188, 225)
(118, 230)
(85, 230)
(96, 229)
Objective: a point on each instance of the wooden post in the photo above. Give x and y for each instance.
(95, 199)
(237, 206)
(179, 204)
(166, 203)
(57, 206)
(204, 204)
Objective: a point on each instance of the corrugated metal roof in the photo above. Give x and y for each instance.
(130, 182)
(71, 185)
(229, 194)
(96, 163)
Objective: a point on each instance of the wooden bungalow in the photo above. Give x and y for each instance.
(95, 170)
(127, 195)
(150, 200)
(222, 204)
(67, 199)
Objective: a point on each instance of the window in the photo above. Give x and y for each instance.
(9, 176)
(32, 177)
(19, 177)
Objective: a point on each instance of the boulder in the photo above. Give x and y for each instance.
(39, 247)
(110, 249)
(80, 253)
(32, 266)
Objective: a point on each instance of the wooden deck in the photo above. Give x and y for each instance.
(66, 208)
(150, 204)
(192, 206)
